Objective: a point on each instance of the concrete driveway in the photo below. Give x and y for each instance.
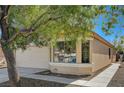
(22, 72)
(3, 75)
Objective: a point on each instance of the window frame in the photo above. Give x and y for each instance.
(83, 45)
(109, 53)
(65, 47)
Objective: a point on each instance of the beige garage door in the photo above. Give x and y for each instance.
(33, 57)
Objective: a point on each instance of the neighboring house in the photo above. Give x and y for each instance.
(2, 59)
(120, 56)
(80, 59)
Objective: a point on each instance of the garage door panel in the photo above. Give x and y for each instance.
(33, 57)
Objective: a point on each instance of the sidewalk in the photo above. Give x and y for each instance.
(103, 79)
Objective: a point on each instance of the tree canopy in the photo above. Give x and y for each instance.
(42, 25)
(112, 23)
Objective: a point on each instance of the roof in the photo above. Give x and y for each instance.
(101, 39)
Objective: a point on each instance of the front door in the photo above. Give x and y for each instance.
(85, 52)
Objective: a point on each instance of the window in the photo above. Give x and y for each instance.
(65, 52)
(85, 52)
(109, 53)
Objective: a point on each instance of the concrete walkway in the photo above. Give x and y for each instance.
(103, 79)
(100, 80)
(22, 72)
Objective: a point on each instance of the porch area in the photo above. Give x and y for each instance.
(68, 58)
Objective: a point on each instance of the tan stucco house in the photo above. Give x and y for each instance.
(86, 58)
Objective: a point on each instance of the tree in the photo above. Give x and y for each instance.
(41, 25)
(119, 43)
(112, 19)
(8, 52)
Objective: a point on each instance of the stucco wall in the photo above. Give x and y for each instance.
(113, 52)
(100, 55)
(78, 52)
(2, 58)
(33, 57)
(69, 68)
(1, 54)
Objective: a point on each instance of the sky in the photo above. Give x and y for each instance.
(117, 30)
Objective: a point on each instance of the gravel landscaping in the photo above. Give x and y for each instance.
(118, 79)
(5, 84)
(28, 82)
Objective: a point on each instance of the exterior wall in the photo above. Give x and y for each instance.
(100, 55)
(33, 57)
(1, 54)
(78, 52)
(2, 59)
(69, 68)
(113, 52)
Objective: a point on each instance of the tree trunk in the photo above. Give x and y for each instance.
(14, 78)
(8, 52)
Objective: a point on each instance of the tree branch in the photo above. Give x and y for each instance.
(37, 19)
(49, 19)
(32, 28)
(27, 32)
(24, 34)
(4, 11)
